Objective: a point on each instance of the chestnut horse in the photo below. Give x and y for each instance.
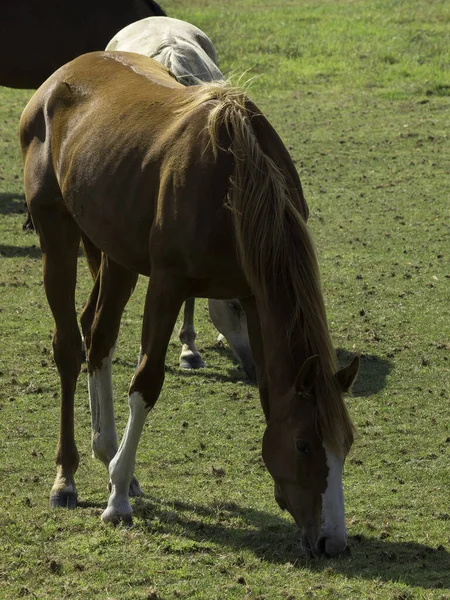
(192, 187)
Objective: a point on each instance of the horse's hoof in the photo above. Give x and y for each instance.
(110, 515)
(192, 361)
(63, 500)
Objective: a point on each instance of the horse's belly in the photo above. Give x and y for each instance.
(123, 239)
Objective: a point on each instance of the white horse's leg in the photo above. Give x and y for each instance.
(190, 357)
(229, 319)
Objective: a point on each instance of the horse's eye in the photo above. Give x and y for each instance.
(302, 447)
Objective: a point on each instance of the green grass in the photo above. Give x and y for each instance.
(359, 93)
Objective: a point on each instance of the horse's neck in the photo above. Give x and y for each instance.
(285, 348)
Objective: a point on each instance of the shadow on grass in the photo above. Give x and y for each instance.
(372, 375)
(20, 251)
(373, 372)
(234, 374)
(12, 204)
(275, 540)
(91, 504)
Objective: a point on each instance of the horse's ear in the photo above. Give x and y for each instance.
(308, 375)
(347, 375)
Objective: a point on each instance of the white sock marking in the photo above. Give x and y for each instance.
(104, 434)
(121, 468)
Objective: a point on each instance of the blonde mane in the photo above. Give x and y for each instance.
(275, 246)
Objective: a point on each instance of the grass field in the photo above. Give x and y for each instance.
(360, 93)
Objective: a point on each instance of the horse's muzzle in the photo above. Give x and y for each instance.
(324, 546)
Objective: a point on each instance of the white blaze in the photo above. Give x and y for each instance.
(333, 516)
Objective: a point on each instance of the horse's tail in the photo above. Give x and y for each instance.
(190, 64)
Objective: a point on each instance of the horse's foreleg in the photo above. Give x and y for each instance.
(100, 323)
(257, 348)
(60, 240)
(190, 357)
(163, 302)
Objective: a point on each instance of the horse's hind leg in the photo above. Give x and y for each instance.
(190, 357)
(163, 302)
(100, 324)
(60, 240)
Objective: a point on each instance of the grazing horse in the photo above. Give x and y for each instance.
(183, 48)
(193, 187)
(191, 57)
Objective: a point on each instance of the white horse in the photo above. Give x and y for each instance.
(191, 57)
(181, 47)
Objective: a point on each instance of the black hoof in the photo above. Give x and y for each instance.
(63, 500)
(194, 361)
(121, 522)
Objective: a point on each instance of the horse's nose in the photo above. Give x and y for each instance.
(331, 546)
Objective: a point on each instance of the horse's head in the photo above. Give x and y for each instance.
(306, 470)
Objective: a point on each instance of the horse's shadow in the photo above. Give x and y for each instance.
(223, 351)
(372, 375)
(32, 251)
(373, 372)
(275, 540)
(234, 372)
(12, 203)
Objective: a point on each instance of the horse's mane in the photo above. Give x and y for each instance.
(189, 63)
(275, 246)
